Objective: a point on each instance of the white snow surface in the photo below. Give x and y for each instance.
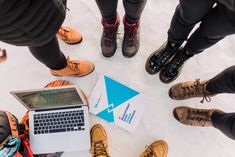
(22, 71)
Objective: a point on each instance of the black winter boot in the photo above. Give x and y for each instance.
(131, 41)
(109, 37)
(160, 57)
(172, 69)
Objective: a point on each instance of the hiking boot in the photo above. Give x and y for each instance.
(131, 41)
(190, 89)
(160, 57)
(75, 68)
(193, 116)
(69, 35)
(109, 38)
(99, 142)
(172, 69)
(156, 149)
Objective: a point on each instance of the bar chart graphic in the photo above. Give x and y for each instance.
(128, 116)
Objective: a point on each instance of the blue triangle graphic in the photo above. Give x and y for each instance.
(107, 115)
(118, 93)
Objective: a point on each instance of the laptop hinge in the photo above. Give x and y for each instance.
(61, 108)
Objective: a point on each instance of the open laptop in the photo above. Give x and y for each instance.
(58, 119)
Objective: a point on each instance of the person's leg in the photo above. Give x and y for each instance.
(51, 56)
(108, 10)
(110, 22)
(218, 23)
(133, 10)
(224, 82)
(225, 122)
(187, 14)
(131, 21)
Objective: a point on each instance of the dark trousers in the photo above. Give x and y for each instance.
(50, 55)
(223, 83)
(217, 21)
(133, 9)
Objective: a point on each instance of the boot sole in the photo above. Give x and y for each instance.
(129, 55)
(77, 75)
(167, 82)
(109, 54)
(78, 42)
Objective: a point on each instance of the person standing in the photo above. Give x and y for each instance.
(224, 82)
(36, 24)
(110, 21)
(217, 20)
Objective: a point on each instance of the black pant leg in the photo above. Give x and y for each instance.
(224, 82)
(50, 55)
(225, 122)
(108, 10)
(187, 14)
(133, 9)
(217, 24)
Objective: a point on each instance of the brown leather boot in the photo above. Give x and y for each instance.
(193, 116)
(75, 68)
(69, 35)
(190, 89)
(109, 38)
(99, 141)
(131, 41)
(156, 149)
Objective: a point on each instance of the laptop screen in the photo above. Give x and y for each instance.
(50, 98)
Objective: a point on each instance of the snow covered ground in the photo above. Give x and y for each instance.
(22, 71)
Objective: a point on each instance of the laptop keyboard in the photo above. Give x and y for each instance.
(59, 122)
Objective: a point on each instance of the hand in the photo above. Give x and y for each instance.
(3, 57)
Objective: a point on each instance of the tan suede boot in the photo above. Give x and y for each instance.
(193, 116)
(69, 35)
(75, 68)
(156, 149)
(99, 141)
(190, 89)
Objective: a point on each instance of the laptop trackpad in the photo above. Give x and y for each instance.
(57, 142)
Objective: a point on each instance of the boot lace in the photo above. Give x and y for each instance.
(109, 35)
(200, 116)
(99, 149)
(131, 32)
(165, 54)
(197, 89)
(63, 32)
(149, 152)
(73, 65)
(177, 63)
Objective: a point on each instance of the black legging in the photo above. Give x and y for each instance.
(50, 55)
(216, 23)
(133, 9)
(224, 82)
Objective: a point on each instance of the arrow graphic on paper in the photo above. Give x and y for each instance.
(117, 94)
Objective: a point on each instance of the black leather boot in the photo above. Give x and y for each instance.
(160, 57)
(172, 69)
(109, 37)
(131, 41)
